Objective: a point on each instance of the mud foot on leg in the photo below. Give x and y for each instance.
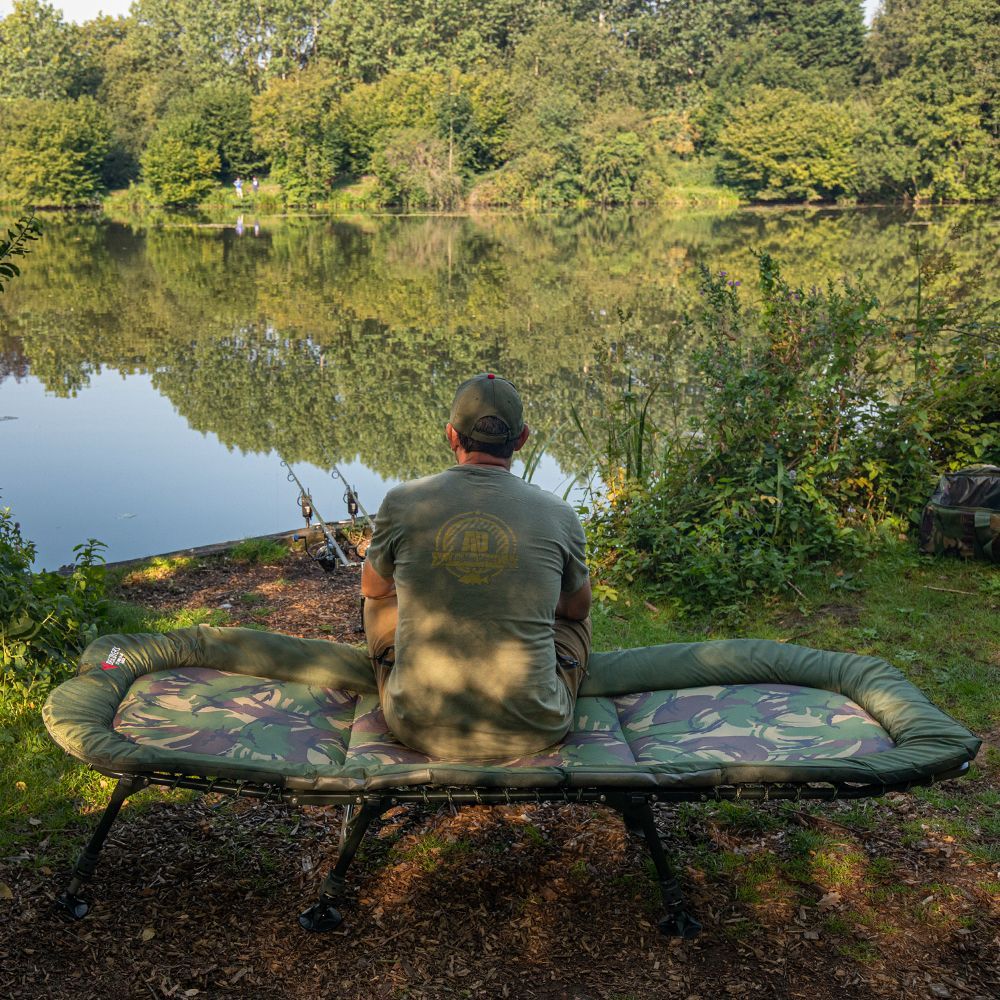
(321, 916)
(680, 924)
(71, 905)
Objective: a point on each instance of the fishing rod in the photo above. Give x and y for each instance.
(330, 555)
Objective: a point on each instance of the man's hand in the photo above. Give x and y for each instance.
(575, 607)
(374, 585)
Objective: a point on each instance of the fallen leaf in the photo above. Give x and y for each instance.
(5, 891)
(148, 934)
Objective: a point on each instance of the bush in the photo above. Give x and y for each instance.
(413, 170)
(781, 144)
(291, 129)
(53, 151)
(26, 230)
(46, 619)
(179, 164)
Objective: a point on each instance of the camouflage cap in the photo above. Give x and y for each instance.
(487, 395)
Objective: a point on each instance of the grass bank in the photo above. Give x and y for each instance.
(135, 205)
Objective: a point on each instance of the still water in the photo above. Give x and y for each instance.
(150, 378)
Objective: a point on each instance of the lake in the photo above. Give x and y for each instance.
(151, 377)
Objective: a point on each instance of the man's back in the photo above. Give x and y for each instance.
(480, 559)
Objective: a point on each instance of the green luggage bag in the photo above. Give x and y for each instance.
(963, 515)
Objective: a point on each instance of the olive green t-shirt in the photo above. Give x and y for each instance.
(480, 558)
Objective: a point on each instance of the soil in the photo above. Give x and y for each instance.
(197, 896)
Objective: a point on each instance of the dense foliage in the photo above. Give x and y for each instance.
(819, 419)
(433, 102)
(45, 618)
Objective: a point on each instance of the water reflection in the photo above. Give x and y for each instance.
(342, 340)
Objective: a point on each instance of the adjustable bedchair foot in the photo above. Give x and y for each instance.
(638, 816)
(68, 903)
(677, 922)
(323, 915)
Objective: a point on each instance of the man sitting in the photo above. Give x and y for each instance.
(477, 595)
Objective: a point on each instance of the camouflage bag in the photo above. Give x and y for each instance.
(963, 515)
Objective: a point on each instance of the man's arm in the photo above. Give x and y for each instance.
(374, 585)
(574, 606)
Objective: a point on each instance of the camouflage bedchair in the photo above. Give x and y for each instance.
(251, 713)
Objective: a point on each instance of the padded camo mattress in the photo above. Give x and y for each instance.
(302, 713)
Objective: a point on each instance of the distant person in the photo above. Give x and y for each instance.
(256, 228)
(477, 595)
(238, 184)
(239, 226)
(255, 184)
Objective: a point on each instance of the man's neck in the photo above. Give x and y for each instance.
(481, 458)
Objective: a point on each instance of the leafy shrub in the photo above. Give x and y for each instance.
(781, 144)
(818, 419)
(46, 619)
(180, 163)
(290, 128)
(413, 170)
(53, 151)
(26, 230)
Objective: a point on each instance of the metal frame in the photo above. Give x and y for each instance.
(634, 805)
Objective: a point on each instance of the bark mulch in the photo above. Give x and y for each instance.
(197, 896)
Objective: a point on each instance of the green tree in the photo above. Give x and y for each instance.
(936, 100)
(781, 144)
(180, 163)
(94, 42)
(612, 165)
(365, 117)
(582, 59)
(366, 39)
(53, 151)
(38, 53)
(236, 39)
(223, 110)
(928, 143)
(291, 129)
(828, 34)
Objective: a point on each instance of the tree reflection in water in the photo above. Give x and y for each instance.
(329, 340)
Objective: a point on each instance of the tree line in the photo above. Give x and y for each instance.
(435, 103)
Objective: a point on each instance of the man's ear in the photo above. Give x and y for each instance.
(452, 435)
(519, 443)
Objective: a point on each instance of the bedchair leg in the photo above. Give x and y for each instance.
(69, 903)
(323, 915)
(676, 922)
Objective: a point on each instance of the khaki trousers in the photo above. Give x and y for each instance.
(573, 639)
